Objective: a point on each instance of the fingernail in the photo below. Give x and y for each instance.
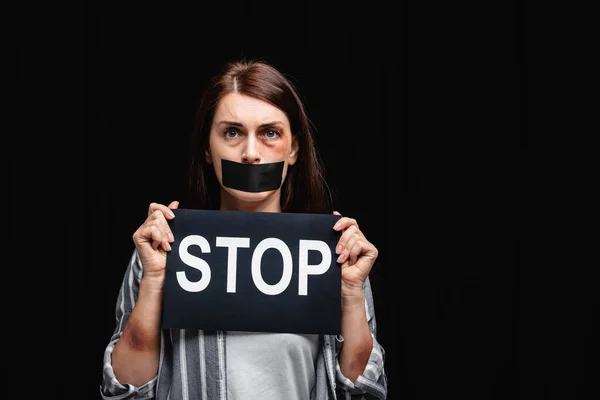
(337, 226)
(338, 249)
(170, 213)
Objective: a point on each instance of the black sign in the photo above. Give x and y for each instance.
(253, 271)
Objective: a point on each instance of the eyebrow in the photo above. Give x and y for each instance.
(233, 123)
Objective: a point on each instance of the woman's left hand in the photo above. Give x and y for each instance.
(356, 254)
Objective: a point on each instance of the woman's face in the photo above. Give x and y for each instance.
(250, 131)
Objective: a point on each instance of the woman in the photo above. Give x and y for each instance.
(250, 116)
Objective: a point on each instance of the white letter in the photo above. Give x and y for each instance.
(286, 276)
(194, 262)
(232, 243)
(305, 269)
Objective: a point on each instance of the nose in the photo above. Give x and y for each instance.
(250, 154)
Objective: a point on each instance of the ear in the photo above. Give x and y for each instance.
(208, 157)
(293, 157)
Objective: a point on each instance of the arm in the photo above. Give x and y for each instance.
(360, 361)
(132, 358)
(136, 353)
(372, 381)
(358, 341)
(130, 306)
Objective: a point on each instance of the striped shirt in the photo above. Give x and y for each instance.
(192, 363)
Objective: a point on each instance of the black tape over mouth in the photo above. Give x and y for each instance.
(252, 177)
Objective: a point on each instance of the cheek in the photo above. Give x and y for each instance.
(281, 148)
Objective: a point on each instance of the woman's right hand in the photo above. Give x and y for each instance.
(152, 239)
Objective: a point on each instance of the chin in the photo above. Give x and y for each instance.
(250, 197)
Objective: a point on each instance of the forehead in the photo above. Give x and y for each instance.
(241, 108)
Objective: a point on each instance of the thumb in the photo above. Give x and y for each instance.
(174, 204)
(337, 213)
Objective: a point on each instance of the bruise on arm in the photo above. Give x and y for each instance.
(138, 338)
(360, 355)
(355, 357)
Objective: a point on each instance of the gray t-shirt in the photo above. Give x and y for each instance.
(270, 366)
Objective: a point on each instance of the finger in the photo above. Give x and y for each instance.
(362, 249)
(159, 219)
(356, 250)
(346, 235)
(166, 211)
(159, 239)
(344, 223)
(174, 204)
(165, 245)
(151, 233)
(349, 244)
(336, 213)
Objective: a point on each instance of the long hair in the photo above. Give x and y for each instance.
(304, 189)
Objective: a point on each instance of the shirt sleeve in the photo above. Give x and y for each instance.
(372, 384)
(110, 387)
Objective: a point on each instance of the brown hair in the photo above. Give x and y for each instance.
(304, 189)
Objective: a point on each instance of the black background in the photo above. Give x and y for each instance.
(422, 116)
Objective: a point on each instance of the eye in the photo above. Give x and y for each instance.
(272, 133)
(231, 133)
